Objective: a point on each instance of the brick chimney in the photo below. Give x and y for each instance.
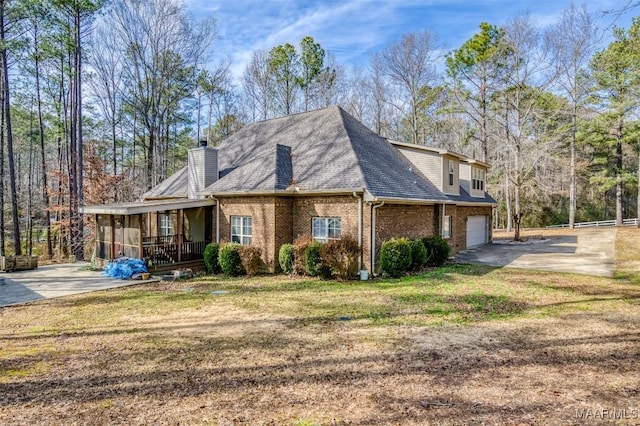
(202, 168)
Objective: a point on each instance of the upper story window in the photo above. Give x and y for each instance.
(165, 225)
(477, 179)
(452, 168)
(326, 228)
(241, 230)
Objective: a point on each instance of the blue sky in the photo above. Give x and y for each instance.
(354, 29)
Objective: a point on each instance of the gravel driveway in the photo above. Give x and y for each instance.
(589, 251)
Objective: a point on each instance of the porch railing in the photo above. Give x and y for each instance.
(165, 253)
(160, 239)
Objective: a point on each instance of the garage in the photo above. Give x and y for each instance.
(476, 231)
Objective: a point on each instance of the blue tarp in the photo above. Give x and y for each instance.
(124, 268)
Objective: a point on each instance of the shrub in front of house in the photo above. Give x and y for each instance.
(250, 259)
(211, 258)
(229, 259)
(418, 254)
(437, 250)
(285, 258)
(340, 257)
(395, 256)
(299, 249)
(314, 264)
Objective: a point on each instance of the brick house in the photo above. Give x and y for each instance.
(320, 173)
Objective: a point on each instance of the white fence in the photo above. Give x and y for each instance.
(625, 222)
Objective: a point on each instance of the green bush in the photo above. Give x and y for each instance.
(251, 260)
(211, 258)
(418, 254)
(395, 256)
(340, 257)
(229, 259)
(437, 250)
(313, 260)
(285, 258)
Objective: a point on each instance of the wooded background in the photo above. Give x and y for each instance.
(102, 99)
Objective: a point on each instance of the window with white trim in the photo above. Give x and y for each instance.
(452, 168)
(326, 228)
(477, 179)
(165, 225)
(446, 227)
(241, 230)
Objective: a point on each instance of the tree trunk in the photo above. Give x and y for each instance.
(572, 170)
(43, 162)
(198, 118)
(619, 183)
(114, 141)
(2, 218)
(150, 154)
(6, 108)
(78, 129)
(209, 119)
(485, 130)
(517, 214)
(638, 196)
(30, 187)
(507, 194)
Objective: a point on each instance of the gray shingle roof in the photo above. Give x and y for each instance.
(329, 149)
(175, 186)
(464, 197)
(326, 149)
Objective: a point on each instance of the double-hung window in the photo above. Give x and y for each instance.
(477, 179)
(326, 228)
(446, 227)
(165, 225)
(241, 230)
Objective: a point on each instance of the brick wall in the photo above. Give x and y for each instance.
(343, 206)
(262, 212)
(400, 220)
(306, 208)
(422, 221)
(283, 225)
(280, 220)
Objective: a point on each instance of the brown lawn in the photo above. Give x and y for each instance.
(459, 345)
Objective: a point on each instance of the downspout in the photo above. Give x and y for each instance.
(359, 229)
(373, 237)
(217, 219)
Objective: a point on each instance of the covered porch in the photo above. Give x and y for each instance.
(167, 234)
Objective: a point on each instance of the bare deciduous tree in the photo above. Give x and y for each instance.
(571, 44)
(410, 64)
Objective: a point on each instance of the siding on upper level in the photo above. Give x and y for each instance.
(465, 176)
(429, 163)
(446, 188)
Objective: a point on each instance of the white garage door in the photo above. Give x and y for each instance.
(476, 231)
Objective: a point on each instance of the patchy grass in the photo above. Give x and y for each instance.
(457, 345)
(628, 254)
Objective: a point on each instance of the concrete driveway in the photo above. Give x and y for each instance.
(589, 251)
(54, 281)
